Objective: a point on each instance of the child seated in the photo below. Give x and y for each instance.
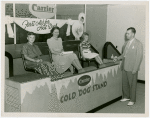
(85, 49)
(32, 55)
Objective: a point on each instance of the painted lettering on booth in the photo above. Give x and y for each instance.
(68, 97)
(99, 86)
(82, 92)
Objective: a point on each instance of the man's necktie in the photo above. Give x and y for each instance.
(126, 49)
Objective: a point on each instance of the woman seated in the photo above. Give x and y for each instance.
(63, 60)
(85, 48)
(33, 59)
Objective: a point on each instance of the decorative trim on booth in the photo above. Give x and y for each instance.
(10, 63)
(141, 81)
(104, 105)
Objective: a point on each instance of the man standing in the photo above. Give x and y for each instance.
(131, 60)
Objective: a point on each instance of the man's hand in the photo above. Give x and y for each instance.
(133, 72)
(115, 59)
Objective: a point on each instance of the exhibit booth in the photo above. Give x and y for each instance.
(26, 91)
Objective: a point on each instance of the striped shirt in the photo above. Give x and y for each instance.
(85, 45)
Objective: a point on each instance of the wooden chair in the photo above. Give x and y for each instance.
(31, 69)
(86, 59)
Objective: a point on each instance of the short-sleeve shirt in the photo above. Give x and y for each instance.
(31, 51)
(85, 45)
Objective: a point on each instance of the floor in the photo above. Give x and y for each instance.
(121, 107)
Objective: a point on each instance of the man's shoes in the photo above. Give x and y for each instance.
(131, 103)
(124, 99)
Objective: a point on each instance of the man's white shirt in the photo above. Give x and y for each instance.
(127, 46)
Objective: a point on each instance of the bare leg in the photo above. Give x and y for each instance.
(99, 60)
(77, 64)
(71, 69)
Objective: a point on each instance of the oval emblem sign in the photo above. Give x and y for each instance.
(43, 10)
(84, 80)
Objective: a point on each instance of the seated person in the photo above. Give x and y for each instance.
(33, 59)
(85, 48)
(63, 60)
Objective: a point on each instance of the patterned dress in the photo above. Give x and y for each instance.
(63, 61)
(44, 68)
(86, 49)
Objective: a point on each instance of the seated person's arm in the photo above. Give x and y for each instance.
(56, 51)
(25, 53)
(62, 49)
(89, 46)
(30, 59)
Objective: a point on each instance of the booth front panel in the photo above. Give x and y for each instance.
(75, 94)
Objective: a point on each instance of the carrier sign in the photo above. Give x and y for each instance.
(84, 80)
(43, 10)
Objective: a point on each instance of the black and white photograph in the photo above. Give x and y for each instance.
(74, 57)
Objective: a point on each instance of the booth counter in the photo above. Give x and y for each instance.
(75, 94)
